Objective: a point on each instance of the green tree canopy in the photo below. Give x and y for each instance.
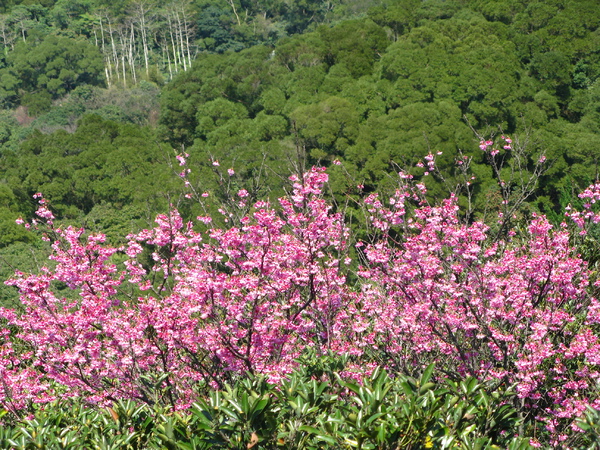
(52, 67)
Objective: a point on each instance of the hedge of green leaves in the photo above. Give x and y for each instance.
(315, 408)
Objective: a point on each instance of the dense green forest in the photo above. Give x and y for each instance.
(99, 97)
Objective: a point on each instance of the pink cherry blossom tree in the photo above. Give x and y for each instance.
(215, 303)
(518, 311)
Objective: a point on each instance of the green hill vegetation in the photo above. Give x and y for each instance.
(272, 87)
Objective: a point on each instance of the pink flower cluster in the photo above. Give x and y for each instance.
(430, 288)
(516, 312)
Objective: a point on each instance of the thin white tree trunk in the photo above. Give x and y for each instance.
(166, 49)
(232, 4)
(115, 54)
(108, 65)
(131, 54)
(123, 42)
(173, 43)
(140, 16)
(187, 37)
(181, 45)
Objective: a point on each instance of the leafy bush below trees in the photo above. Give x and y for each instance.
(312, 409)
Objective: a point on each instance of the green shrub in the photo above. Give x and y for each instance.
(304, 411)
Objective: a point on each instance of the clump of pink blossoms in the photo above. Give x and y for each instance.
(430, 288)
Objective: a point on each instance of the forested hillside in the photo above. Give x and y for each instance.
(375, 85)
(99, 97)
